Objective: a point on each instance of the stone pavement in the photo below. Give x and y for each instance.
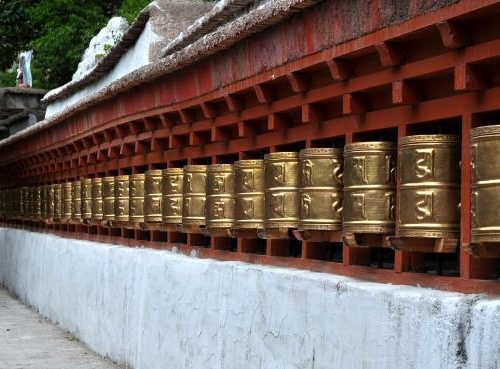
(27, 341)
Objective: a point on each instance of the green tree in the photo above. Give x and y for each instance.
(64, 30)
(129, 9)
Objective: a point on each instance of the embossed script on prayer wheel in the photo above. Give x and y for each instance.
(67, 196)
(122, 200)
(220, 198)
(108, 198)
(370, 187)
(76, 201)
(320, 189)
(50, 202)
(26, 202)
(57, 203)
(43, 202)
(153, 196)
(172, 183)
(194, 187)
(37, 203)
(136, 206)
(429, 196)
(86, 199)
(485, 195)
(281, 172)
(249, 188)
(96, 203)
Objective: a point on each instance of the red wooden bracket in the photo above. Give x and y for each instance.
(299, 82)
(209, 110)
(353, 104)
(245, 129)
(126, 149)
(390, 54)
(234, 104)
(311, 113)
(187, 116)
(339, 69)
(453, 35)
(264, 94)
(149, 124)
(141, 147)
(166, 120)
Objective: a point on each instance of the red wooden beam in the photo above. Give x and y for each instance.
(339, 69)
(390, 54)
(264, 94)
(298, 81)
(469, 78)
(453, 35)
(405, 92)
(234, 104)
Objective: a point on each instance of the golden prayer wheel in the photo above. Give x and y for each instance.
(220, 199)
(153, 196)
(49, 191)
(369, 188)
(136, 207)
(194, 187)
(122, 191)
(67, 195)
(37, 203)
(172, 182)
(320, 212)
(281, 179)
(249, 198)
(429, 193)
(57, 215)
(43, 202)
(96, 202)
(26, 203)
(108, 198)
(485, 174)
(86, 199)
(76, 201)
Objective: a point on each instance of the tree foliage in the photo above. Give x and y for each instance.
(130, 8)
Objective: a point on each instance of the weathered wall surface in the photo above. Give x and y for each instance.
(156, 309)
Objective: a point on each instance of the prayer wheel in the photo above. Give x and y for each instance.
(86, 199)
(67, 195)
(194, 190)
(122, 198)
(249, 197)
(49, 193)
(57, 215)
(76, 201)
(220, 199)
(429, 193)
(485, 195)
(172, 182)
(320, 173)
(136, 206)
(37, 203)
(369, 188)
(153, 196)
(281, 173)
(108, 198)
(96, 200)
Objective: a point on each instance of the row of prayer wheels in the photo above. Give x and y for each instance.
(315, 192)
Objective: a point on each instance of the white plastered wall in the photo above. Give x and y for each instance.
(157, 309)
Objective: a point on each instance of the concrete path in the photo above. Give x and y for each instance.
(27, 341)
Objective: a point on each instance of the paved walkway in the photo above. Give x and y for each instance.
(29, 342)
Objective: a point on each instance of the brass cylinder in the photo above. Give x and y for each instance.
(76, 201)
(26, 203)
(369, 188)
(136, 209)
(172, 182)
(485, 175)
(249, 188)
(43, 202)
(153, 196)
(67, 196)
(108, 198)
(86, 199)
(96, 202)
(57, 203)
(320, 189)
(50, 202)
(281, 190)
(429, 193)
(122, 193)
(37, 203)
(194, 187)
(220, 198)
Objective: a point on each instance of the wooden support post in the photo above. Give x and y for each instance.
(469, 78)
(276, 122)
(245, 129)
(264, 94)
(299, 82)
(234, 104)
(353, 104)
(405, 93)
(209, 110)
(187, 116)
(311, 113)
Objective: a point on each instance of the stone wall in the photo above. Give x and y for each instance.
(157, 309)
